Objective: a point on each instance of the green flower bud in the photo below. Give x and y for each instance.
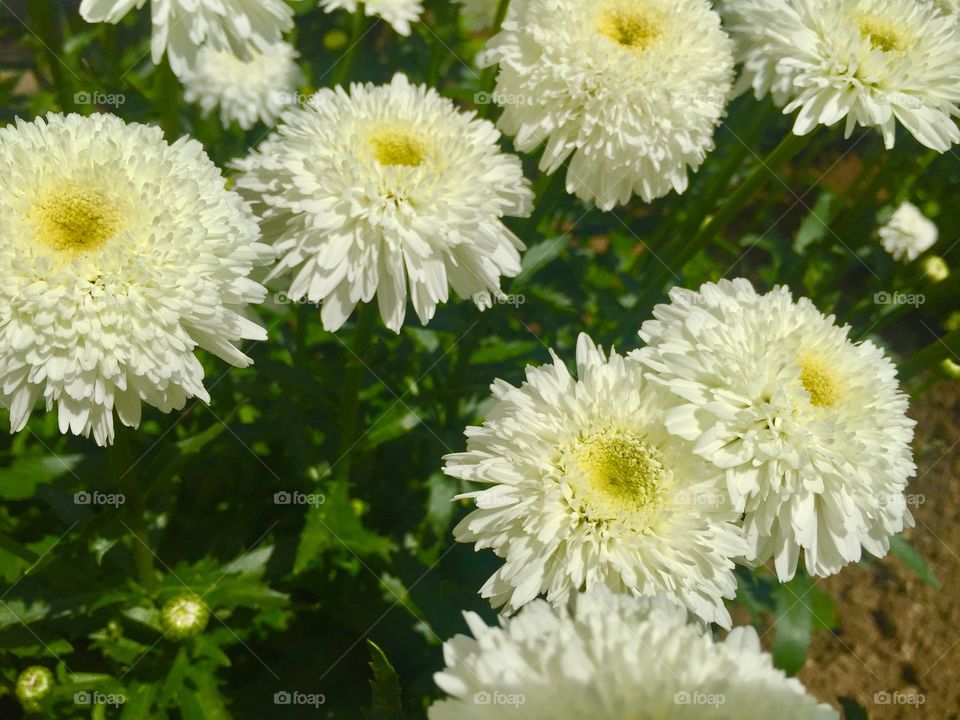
(33, 685)
(936, 268)
(953, 322)
(335, 40)
(184, 616)
(950, 368)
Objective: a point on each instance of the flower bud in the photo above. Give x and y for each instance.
(184, 616)
(936, 268)
(33, 685)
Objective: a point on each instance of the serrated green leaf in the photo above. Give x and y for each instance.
(139, 704)
(334, 525)
(20, 480)
(386, 704)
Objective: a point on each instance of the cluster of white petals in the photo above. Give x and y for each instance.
(613, 657)
(387, 191)
(121, 254)
(909, 233)
(258, 88)
(630, 91)
(810, 427)
(182, 27)
(871, 63)
(588, 488)
(399, 13)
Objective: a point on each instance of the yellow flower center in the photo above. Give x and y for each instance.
(883, 35)
(75, 219)
(620, 474)
(631, 28)
(398, 147)
(820, 382)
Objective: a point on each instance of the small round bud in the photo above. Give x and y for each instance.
(952, 322)
(335, 40)
(950, 369)
(936, 268)
(33, 685)
(184, 616)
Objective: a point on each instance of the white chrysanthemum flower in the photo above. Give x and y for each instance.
(259, 88)
(589, 489)
(870, 62)
(399, 13)
(478, 15)
(182, 27)
(613, 657)
(364, 192)
(633, 90)
(811, 428)
(908, 234)
(120, 255)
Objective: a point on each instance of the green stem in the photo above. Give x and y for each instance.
(305, 312)
(358, 25)
(865, 197)
(761, 175)
(501, 15)
(553, 188)
(946, 347)
(169, 102)
(353, 382)
(122, 469)
(44, 19)
(708, 199)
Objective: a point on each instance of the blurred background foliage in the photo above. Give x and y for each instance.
(299, 591)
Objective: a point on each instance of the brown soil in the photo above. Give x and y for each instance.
(898, 640)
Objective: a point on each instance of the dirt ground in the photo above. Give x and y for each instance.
(897, 648)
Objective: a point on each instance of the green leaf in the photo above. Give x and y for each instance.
(335, 525)
(20, 480)
(537, 257)
(386, 703)
(852, 710)
(903, 549)
(14, 612)
(800, 608)
(397, 422)
(816, 225)
(500, 351)
(139, 702)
